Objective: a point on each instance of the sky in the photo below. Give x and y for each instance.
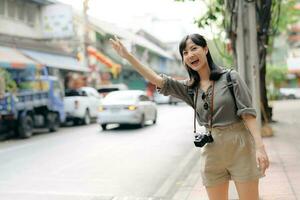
(166, 19)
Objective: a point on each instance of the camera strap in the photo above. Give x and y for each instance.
(211, 107)
(195, 108)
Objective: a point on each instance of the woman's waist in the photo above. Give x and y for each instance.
(239, 125)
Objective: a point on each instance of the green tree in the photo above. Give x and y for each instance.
(273, 17)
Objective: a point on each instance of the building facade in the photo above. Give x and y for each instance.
(31, 28)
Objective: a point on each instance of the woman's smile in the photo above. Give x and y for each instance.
(195, 62)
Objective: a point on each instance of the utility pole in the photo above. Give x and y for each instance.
(85, 33)
(92, 77)
(247, 51)
(253, 60)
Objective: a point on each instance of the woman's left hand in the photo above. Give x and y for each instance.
(262, 159)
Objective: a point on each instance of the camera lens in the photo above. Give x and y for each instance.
(210, 139)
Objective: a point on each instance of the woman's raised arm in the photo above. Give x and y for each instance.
(146, 72)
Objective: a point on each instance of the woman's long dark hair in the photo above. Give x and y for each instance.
(215, 71)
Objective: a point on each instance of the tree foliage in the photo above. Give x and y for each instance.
(275, 77)
(276, 74)
(10, 84)
(273, 17)
(221, 12)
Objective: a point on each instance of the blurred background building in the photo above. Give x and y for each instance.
(36, 30)
(75, 47)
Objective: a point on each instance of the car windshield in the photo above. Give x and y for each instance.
(120, 96)
(105, 90)
(71, 93)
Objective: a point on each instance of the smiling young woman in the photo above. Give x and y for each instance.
(236, 152)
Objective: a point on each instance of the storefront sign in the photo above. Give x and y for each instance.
(57, 20)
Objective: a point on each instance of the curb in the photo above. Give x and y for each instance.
(173, 183)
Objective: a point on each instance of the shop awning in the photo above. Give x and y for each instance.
(13, 58)
(56, 61)
(100, 57)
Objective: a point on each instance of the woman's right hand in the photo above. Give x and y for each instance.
(119, 47)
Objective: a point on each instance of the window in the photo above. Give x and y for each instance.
(11, 9)
(20, 10)
(2, 7)
(31, 14)
(57, 89)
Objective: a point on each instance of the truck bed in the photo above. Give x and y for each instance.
(24, 100)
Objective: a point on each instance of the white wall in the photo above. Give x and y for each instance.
(15, 28)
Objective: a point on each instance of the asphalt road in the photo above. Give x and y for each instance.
(83, 162)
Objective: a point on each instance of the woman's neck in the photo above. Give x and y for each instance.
(204, 73)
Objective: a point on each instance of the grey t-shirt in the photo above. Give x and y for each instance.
(224, 112)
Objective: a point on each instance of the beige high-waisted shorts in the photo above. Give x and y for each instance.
(230, 156)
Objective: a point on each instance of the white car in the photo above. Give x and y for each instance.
(161, 99)
(82, 105)
(289, 93)
(127, 107)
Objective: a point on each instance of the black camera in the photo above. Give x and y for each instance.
(202, 138)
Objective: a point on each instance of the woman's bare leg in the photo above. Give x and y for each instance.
(247, 190)
(218, 192)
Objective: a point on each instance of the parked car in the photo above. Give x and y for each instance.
(289, 93)
(127, 107)
(105, 89)
(162, 99)
(81, 105)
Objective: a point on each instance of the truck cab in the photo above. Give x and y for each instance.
(37, 103)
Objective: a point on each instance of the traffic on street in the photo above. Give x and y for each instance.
(85, 161)
(149, 100)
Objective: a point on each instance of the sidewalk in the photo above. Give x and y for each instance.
(282, 181)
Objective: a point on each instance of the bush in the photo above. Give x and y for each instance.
(275, 76)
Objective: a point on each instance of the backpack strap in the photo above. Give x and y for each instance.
(230, 86)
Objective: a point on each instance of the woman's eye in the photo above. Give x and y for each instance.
(194, 48)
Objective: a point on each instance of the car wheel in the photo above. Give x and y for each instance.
(87, 118)
(142, 123)
(53, 121)
(103, 126)
(77, 121)
(25, 127)
(155, 118)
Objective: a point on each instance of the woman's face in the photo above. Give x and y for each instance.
(194, 56)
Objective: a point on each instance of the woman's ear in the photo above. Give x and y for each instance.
(206, 50)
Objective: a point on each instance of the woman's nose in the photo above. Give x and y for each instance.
(190, 55)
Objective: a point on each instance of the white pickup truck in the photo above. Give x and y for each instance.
(81, 105)
(289, 93)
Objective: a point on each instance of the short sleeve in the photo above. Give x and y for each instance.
(242, 95)
(175, 88)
